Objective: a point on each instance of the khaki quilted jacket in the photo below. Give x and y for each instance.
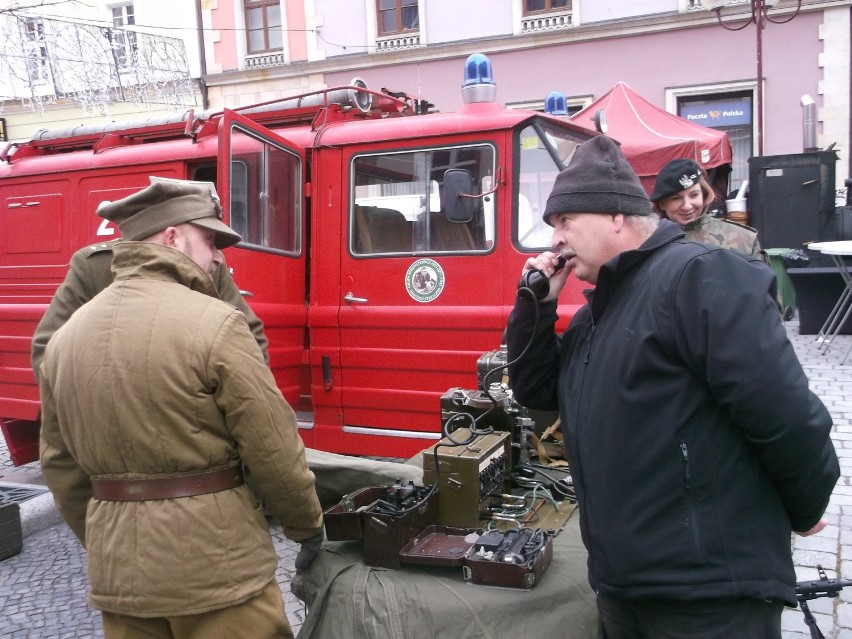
(154, 377)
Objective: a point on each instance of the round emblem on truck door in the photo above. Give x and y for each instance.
(424, 280)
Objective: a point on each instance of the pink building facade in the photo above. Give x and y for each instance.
(672, 52)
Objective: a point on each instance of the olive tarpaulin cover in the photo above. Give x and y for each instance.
(347, 599)
(339, 475)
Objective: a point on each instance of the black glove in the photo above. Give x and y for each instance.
(309, 551)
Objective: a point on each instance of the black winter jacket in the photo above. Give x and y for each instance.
(694, 442)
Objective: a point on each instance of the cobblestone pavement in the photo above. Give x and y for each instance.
(43, 589)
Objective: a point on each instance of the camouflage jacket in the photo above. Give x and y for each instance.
(730, 235)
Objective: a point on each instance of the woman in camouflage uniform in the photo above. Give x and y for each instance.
(683, 195)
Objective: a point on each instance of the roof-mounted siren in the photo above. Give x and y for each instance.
(478, 81)
(555, 103)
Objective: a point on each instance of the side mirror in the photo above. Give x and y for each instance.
(458, 183)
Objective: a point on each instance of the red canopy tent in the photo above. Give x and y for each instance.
(650, 137)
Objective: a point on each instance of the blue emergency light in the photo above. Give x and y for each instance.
(479, 83)
(555, 103)
(477, 70)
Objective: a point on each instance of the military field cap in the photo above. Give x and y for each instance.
(167, 202)
(675, 177)
(598, 179)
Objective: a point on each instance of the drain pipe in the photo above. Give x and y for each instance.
(809, 124)
(202, 84)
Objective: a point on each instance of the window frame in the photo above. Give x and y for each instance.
(487, 204)
(258, 226)
(264, 5)
(36, 61)
(549, 8)
(400, 28)
(122, 38)
(575, 104)
(544, 131)
(676, 96)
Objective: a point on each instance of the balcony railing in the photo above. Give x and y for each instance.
(398, 41)
(265, 60)
(547, 22)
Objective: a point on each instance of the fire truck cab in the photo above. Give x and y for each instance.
(382, 242)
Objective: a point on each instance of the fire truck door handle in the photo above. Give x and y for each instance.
(246, 293)
(327, 382)
(349, 297)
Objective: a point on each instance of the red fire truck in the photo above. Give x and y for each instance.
(382, 242)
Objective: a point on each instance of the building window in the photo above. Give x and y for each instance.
(396, 16)
(537, 16)
(124, 40)
(35, 50)
(696, 5)
(263, 26)
(574, 104)
(536, 6)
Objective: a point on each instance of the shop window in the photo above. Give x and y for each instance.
(730, 112)
(263, 26)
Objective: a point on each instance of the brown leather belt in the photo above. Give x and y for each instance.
(188, 485)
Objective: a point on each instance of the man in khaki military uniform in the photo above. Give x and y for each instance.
(90, 273)
(152, 394)
(683, 195)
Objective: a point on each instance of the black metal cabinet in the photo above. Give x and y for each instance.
(791, 198)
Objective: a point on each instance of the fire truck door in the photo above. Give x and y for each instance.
(260, 183)
(419, 286)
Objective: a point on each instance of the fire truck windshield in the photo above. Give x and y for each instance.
(544, 150)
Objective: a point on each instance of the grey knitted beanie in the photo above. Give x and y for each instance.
(598, 179)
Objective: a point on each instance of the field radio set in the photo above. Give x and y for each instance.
(467, 475)
(468, 513)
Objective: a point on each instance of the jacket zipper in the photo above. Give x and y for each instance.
(690, 504)
(589, 336)
(578, 421)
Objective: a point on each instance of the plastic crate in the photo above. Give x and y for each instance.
(11, 535)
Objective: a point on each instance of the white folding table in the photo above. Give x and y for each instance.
(840, 252)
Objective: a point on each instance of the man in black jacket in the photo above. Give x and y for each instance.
(695, 445)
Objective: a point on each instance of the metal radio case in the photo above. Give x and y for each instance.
(494, 573)
(362, 515)
(488, 362)
(447, 546)
(467, 475)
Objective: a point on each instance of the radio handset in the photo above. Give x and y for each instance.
(538, 282)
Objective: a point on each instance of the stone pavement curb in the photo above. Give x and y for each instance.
(38, 513)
